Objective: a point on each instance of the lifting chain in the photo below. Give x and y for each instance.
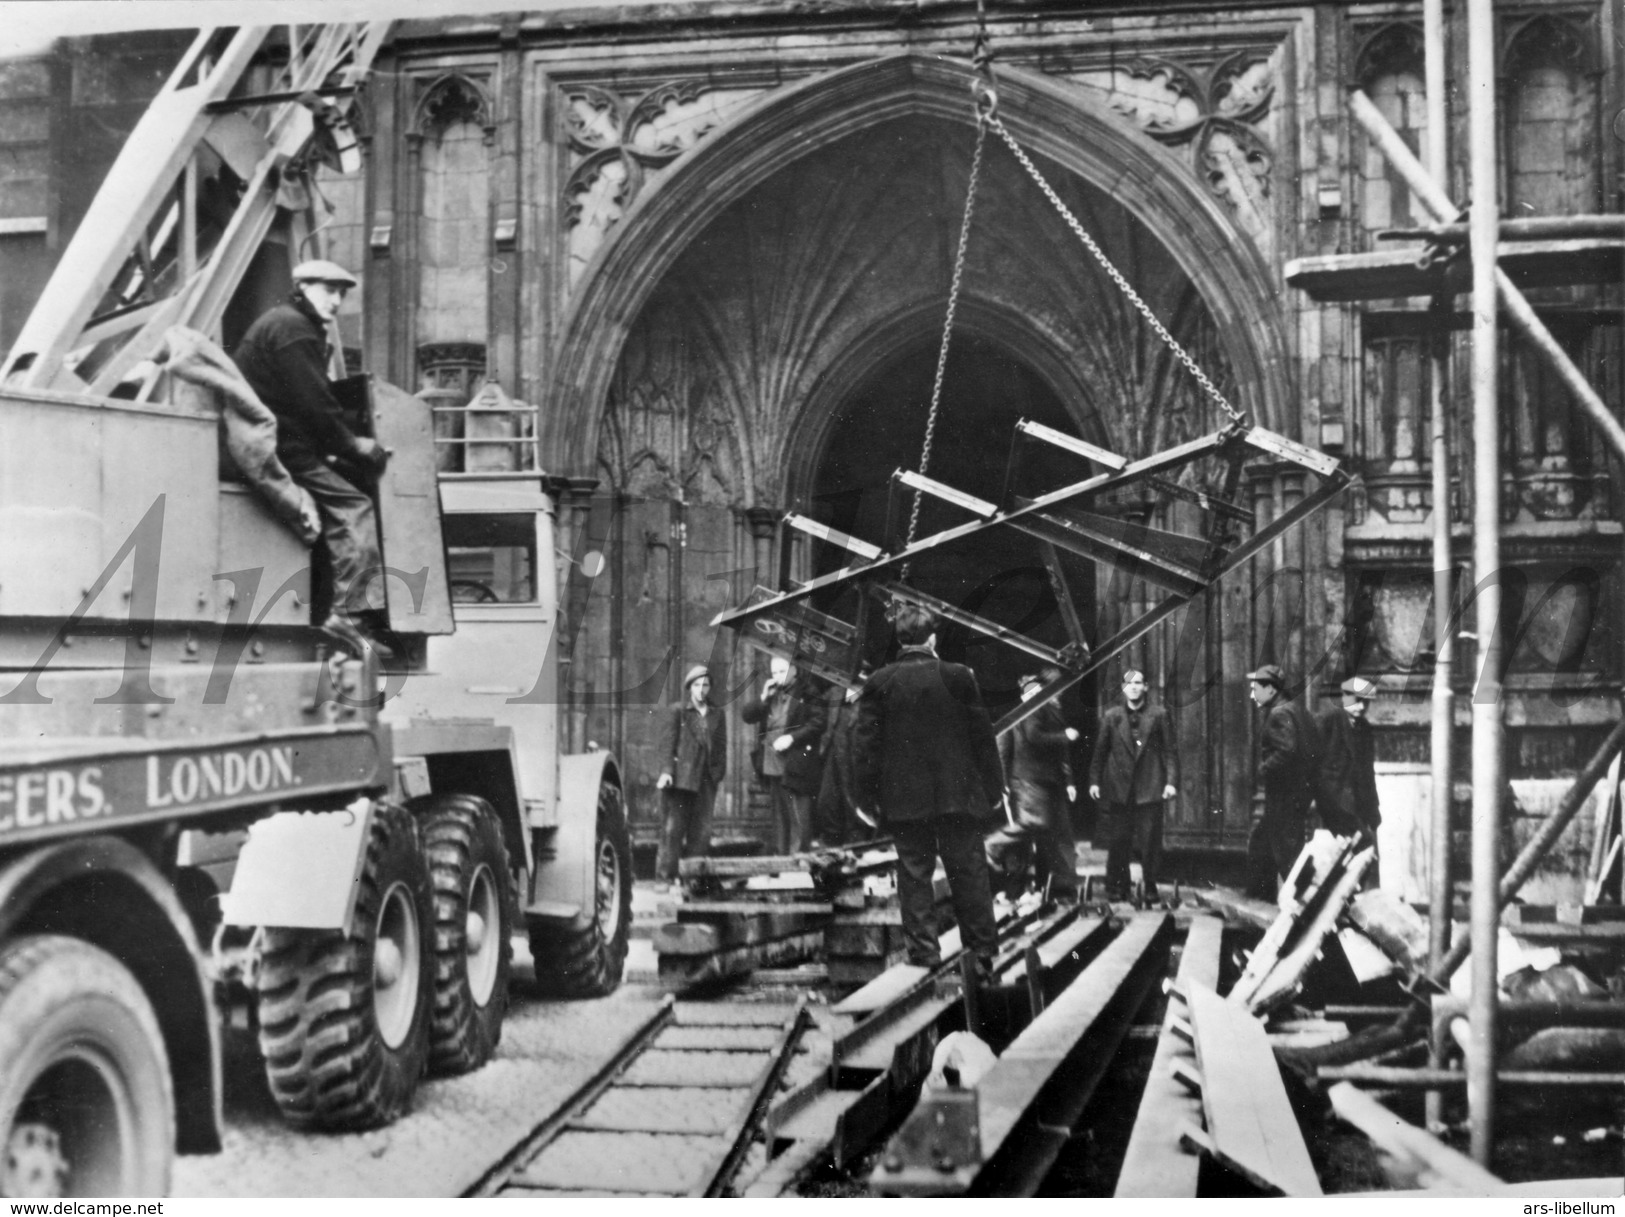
(948, 320)
(1123, 284)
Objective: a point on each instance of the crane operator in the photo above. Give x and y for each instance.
(284, 356)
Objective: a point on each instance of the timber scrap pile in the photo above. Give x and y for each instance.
(1324, 936)
(742, 915)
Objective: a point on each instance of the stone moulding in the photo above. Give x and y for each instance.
(1047, 116)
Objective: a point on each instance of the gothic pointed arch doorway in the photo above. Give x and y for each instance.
(777, 349)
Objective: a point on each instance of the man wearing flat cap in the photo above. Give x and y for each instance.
(284, 356)
(1288, 760)
(1037, 760)
(694, 756)
(1347, 799)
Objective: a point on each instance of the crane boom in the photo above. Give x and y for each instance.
(190, 198)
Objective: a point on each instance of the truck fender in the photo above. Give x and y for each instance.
(105, 891)
(299, 870)
(566, 880)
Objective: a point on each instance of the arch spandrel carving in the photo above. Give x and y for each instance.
(1047, 116)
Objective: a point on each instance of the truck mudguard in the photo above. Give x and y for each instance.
(565, 888)
(105, 891)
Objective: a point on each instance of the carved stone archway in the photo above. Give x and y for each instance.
(1047, 117)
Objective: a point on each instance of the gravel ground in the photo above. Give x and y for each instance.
(457, 1128)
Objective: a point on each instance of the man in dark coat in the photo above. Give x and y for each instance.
(836, 814)
(694, 752)
(1347, 798)
(928, 764)
(1037, 760)
(284, 356)
(1288, 769)
(1133, 772)
(791, 723)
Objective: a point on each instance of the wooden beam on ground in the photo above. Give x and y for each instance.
(717, 932)
(1251, 1127)
(1233, 906)
(1025, 1105)
(681, 971)
(1421, 1157)
(1155, 1163)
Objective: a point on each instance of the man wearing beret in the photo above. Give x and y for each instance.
(284, 356)
(1288, 761)
(1347, 799)
(694, 751)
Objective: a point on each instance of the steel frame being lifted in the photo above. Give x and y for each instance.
(1182, 564)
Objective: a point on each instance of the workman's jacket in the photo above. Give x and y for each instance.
(802, 719)
(1133, 768)
(1038, 767)
(1347, 796)
(284, 356)
(924, 743)
(694, 746)
(1288, 757)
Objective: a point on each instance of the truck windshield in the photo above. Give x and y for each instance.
(492, 557)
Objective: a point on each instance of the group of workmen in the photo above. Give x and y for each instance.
(910, 750)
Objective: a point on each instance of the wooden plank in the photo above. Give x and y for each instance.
(882, 990)
(1418, 1153)
(1393, 273)
(708, 937)
(1233, 906)
(1155, 1164)
(684, 970)
(1249, 1118)
(704, 910)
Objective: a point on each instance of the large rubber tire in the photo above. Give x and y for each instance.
(344, 1020)
(589, 962)
(86, 1107)
(473, 928)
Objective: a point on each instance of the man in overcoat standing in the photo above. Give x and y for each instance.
(928, 763)
(1288, 769)
(1038, 766)
(1132, 773)
(1347, 799)
(791, 722)
(694, 756)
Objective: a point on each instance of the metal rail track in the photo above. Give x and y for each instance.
(673, 1112)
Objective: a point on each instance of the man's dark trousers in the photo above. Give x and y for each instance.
(349, 527)
(1131, 829)
(686, 832)
(957, 840)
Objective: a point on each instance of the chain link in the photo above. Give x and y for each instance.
(1168, 339)
(948, 321)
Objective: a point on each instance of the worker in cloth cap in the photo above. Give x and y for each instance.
(1288, 761)
(284, 356)
(1347, 797)
(694, 756)
(1037, 758)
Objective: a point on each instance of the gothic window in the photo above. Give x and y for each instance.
(454, 224)
(1551, 117)
(1390, 70)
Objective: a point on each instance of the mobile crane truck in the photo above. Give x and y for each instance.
(200, 795)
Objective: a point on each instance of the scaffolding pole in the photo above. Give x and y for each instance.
(1438, 165)
(1489, 761)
